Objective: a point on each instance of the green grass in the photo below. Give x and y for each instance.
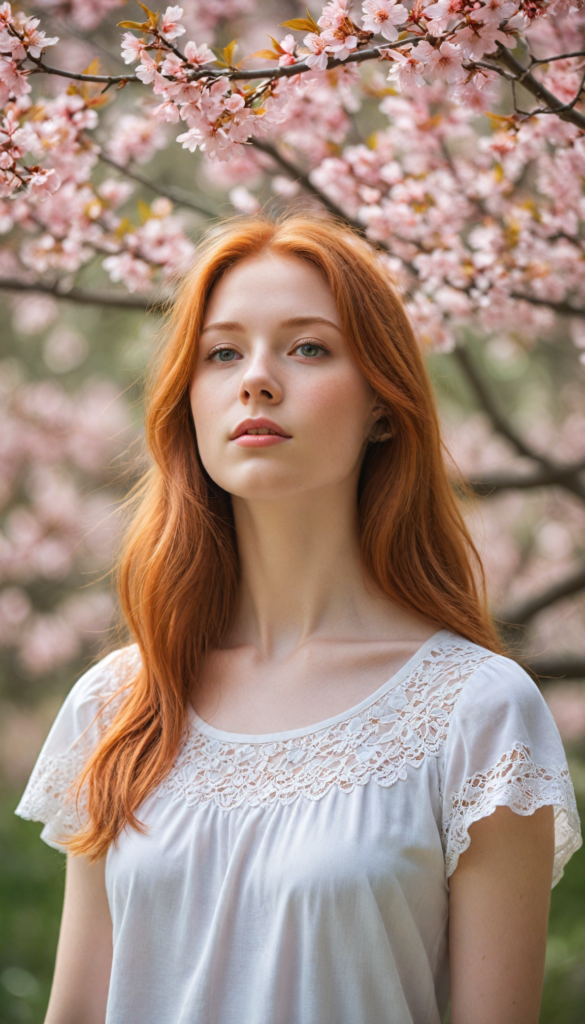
(32, 876)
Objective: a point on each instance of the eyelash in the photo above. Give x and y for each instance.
(314, 344)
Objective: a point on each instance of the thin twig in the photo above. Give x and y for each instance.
(532, 85)
(500, 423)
(86, 296)
(559, 56)
(562, 308)
(511, 481)
(551, 668)
(525, 610)
(167, 191)
(304, 181)
(235, 74)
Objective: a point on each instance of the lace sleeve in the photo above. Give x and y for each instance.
(84, 716)
(504, 749)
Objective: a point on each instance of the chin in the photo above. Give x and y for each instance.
(260, 485)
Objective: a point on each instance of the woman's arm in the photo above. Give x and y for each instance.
(84, 953)
(499, 903)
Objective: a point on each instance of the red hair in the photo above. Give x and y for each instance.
(178, 575)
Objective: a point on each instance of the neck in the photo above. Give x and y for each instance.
(301, 568)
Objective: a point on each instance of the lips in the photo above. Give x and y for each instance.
(260, 427)
(259, 433)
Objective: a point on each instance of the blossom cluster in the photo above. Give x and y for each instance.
(57, 511)
(465, 236)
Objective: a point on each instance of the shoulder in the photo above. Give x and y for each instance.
(479, 678)
(498, 687)
(92, 700)
(85, 714)
(497, 708)
(486, 698)
(107, 675)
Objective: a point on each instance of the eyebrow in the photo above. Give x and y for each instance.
(293, 321)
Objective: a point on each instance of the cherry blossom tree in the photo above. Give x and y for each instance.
(450, 133)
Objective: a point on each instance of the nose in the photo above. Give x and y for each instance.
(259, 382)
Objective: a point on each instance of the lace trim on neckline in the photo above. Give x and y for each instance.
(234, 737)
(397, 731)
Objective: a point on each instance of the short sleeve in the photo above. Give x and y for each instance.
(504, 749)
(84, 716)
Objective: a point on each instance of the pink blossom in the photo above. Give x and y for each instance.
(192, 139)
(406, 70)
(169, 23)
(383, 16)
(288, 44)
(132, 48)
(13, 78)
(494, 11)
(198, 55)
(32, 40)
(318, 57)
(474, 41)
(334, 14)
(173, 67)
(243, 200)
(147, 68)
(441, 14)
(135, 138)
(234, 103)
(339, 44)
(49, 642)
(135, 273)
(114, 192)
(34, 313)
(167, 111)
(43, 182)
(443, 61)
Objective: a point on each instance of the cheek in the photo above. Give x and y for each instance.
(339, 406)
(208, 400)
(206, 411)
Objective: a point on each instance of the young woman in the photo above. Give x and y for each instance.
(314, 790)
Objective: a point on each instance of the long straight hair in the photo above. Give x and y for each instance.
(178, 574)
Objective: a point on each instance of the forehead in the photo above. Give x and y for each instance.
(271, 286)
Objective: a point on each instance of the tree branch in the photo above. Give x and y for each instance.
(571, 584)
(167, 191)
(500, 423)
(235, 74)
(540, 477)
(562, 308)
(532, 85)
(304, 181)
(488, 404)
(85, 296)
(560, 666)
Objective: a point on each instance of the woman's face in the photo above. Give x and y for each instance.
(280, 406)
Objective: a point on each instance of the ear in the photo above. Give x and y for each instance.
(380, 428)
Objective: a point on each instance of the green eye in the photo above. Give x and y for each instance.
(310, 349)
(224, 355)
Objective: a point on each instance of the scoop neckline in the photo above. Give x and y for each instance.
(268, 737)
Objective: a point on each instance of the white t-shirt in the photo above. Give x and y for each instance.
(302, 877)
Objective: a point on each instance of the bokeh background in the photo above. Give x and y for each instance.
(71, 385)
